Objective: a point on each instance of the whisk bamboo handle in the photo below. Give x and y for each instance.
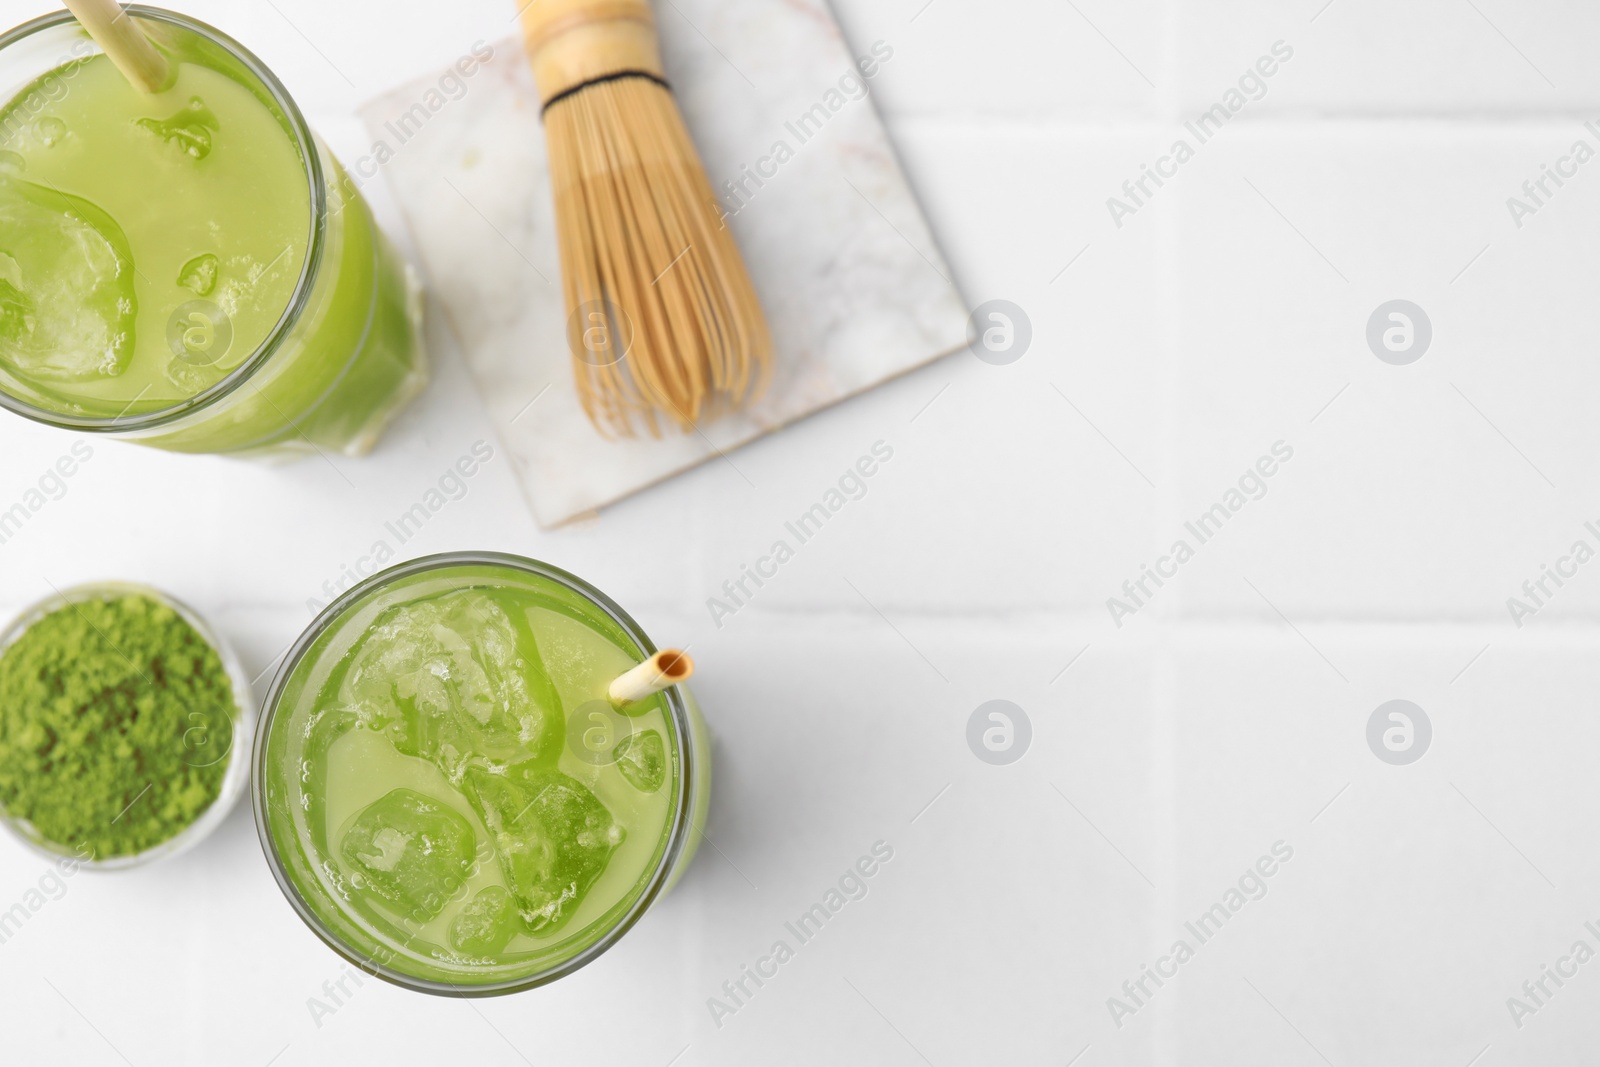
(572, 42)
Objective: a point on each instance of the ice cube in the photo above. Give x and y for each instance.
(190, 130)
(199, 275)
(51, 131)
(642, 759)
(67, 302)
(411, 851)
(453, 679)
(553, 837)
(485, 923)
(189, 378)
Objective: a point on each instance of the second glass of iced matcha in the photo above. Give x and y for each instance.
(189, 268)
(449, 794)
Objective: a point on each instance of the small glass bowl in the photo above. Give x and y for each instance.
(234, 779)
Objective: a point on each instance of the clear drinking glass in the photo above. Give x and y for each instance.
(201, 238)
(380, 742)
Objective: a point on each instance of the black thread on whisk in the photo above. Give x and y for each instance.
(618, 76)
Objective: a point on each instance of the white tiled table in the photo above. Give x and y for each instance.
(1227, 314)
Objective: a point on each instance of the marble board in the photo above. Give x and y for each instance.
(780, 105)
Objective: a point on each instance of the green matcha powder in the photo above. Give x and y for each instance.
(116, 721)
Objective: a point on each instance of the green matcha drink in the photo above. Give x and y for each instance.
(447, 795)
(189, 268)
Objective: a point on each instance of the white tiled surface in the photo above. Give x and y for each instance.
(1227, 314)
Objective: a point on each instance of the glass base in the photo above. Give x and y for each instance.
(295, 447)
(412, 386)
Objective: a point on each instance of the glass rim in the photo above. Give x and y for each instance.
(235, 777)
(676, 834)
(304, 140)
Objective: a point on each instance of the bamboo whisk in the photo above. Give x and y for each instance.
(662, 319)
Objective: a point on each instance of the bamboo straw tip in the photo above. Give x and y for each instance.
(662, 670)
(674, 664)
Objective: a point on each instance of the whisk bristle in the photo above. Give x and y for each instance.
(663, 322)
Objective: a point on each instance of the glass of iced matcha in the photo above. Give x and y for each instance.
(445, 790)
(189, 268)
